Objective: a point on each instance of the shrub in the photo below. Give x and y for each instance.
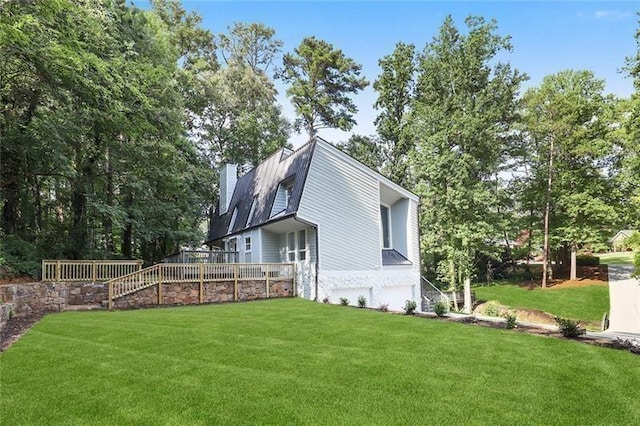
(409, 307)
(384, 307)
(570, 329)
(344, 301)
(492, 308)
(440, 308)
(362, 301)
(511, 320)
(326, 299)
(587, 260)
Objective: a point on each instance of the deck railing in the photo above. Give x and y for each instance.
(202, 256)
(87, 270)
(170, 273)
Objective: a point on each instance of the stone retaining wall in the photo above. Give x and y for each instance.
(212, 292)
(24, 299)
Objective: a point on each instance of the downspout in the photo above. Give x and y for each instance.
(317, 263)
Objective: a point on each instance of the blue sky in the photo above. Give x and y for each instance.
(547, 36)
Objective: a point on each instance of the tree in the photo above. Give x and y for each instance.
(461, 118)
(241, 121)
(395, 86)
(565, 122)
(368, 150)
(322, 79)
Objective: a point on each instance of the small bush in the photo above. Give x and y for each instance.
(511, 320)
(570, 329)
(384, 307)
(325, 300)
(409, 307)
(344, 301)
(587, 260)
(362, 301)
(492, 308)
(440, 308)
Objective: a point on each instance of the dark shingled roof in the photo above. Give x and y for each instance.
(392, 257)
(262, 183)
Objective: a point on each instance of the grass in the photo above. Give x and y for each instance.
(623, 257)
(298, 362)
(584, 303)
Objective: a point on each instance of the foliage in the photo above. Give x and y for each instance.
(344, 301)
(326, 300)
(321, 79)
(492, 309)
(566, 152)
(511, 320)
(384, 307)
(464, 109)
(441, 308)
(362, 301)
(395, 87)
(368, 150)
(94, 153)
(134, 369)
(569, 329)
(409, 307)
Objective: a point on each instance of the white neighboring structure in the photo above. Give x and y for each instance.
(350, 230)
(624, 299)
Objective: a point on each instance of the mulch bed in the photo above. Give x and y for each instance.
(16, 327)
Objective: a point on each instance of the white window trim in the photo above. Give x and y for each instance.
(306, 245)
(232, 222)
(290, 249)
(248, 237)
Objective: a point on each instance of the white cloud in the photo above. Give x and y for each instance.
(608, 15)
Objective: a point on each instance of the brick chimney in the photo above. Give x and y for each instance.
(228, 180)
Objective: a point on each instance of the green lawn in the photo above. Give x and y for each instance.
(616, 258)
(588, 303)
(298, 362)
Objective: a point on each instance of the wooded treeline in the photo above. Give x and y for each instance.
(114, 121)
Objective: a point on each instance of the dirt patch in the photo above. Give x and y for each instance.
(588, 276)
(16, 327)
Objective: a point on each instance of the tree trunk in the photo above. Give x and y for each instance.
(547, 210)
(107, 222)
(127, 232)
(467, 295)
(574, 251)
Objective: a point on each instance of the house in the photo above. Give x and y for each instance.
(350, 231)
(619, 241)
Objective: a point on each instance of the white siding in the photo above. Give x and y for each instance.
(343, 202)
(271, 247)
(413, 236)
(399, 226)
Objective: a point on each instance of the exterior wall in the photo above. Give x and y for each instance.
(400, 226)
(413, 236)
(213, 292)
(38, 297)
(338, 198)
(270, 247)
(393, 287)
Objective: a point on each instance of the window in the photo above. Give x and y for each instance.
(386, 230)
(283, 196)
(252, 211)
(247, 244)
(291, 246)
(288, 190)
(302, 244)
(232, 222)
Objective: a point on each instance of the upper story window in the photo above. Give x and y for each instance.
(386, 228)
(232, 222)
(247, 244)
(252, 211)
(283, 197)
(291, 246)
